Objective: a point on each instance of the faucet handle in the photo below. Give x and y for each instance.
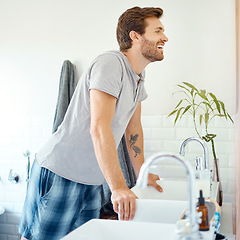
(14, 178)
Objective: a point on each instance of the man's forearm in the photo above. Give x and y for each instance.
(106, 153)
(102, 113)
(134, 139)
(123, 199)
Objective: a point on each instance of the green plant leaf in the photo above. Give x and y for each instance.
(184, 88)
(200, 119)
(179, 103)
(223, 108)
(202, 94)
(186, 109)
(213, 96)
(206, 118)
(217, 105)
(177, 116)
(207, 104)
(170, 114)
(199, 103)
(191, 86)
(230, 117)
(192, 91)
(215, 101)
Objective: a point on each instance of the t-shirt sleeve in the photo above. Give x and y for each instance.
(144, 94)
(106, 75)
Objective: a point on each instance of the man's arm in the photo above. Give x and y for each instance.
(102, 112)
(134, 139)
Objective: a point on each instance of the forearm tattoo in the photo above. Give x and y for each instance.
(132, 141)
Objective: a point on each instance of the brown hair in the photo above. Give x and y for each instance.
(133, 20)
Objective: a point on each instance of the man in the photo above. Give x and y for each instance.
(64, 189)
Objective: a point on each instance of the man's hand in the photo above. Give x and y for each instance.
(152, 181)
(124, 203)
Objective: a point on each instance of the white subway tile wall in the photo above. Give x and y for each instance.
(19, 133)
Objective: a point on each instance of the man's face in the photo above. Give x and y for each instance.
(153, 40)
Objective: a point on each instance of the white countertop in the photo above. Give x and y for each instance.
(226, 227)
(226, 220)
(111, 229)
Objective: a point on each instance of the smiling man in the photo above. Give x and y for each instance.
(153, 40)
(65, 184)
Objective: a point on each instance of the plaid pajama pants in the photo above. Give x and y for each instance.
(55, 206)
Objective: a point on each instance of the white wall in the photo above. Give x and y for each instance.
(37, 36)
(201, 50)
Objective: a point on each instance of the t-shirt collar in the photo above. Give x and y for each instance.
(137, 77)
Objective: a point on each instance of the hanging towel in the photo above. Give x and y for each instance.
(129, 175)
(67, 86)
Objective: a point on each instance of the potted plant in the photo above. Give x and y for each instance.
(203, 106)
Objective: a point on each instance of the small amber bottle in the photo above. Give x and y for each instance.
(201, 207)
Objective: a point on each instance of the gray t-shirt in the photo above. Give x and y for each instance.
(69, 152)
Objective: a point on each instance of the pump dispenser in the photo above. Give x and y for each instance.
(201, 207)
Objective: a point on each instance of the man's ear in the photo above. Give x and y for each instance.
(134, 36)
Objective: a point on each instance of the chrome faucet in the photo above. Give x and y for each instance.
(27, 154)
(143, 180)
(205, 149)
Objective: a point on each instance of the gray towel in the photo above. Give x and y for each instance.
(128, 172)
(67, 86)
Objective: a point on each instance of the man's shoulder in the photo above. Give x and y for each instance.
(111, 60)
(110, 56)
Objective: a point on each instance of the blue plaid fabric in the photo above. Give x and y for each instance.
(54, 206)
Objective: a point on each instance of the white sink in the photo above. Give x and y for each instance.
(172, 190)
(167, 206)
(161, 211)
(2, 209)
(155, 217)
(99, 229)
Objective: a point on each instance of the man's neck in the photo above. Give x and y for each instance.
(136, 60)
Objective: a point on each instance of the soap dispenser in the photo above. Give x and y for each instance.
(201, 207)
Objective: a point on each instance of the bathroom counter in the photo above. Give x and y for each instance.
(226, 220)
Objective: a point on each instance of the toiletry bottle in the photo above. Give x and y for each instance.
(201, 207)
(202, 177)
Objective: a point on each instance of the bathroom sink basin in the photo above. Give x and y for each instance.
(99, 229)
(153, 219)
(119, 230)
(156, 216)
(2, 209)
(172, 190)
(168, 206)
(161, 211)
